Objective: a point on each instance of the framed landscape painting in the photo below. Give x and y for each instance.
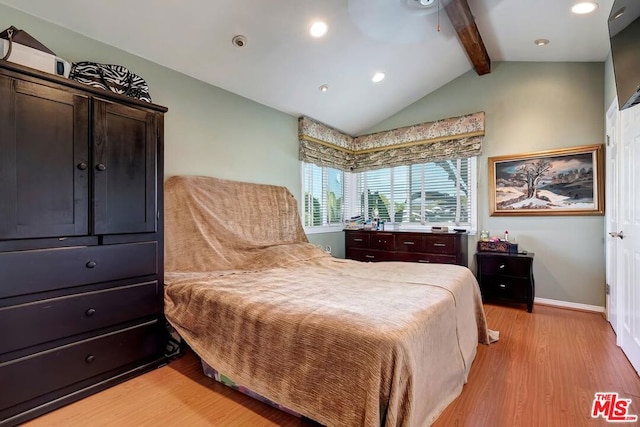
(568, 181)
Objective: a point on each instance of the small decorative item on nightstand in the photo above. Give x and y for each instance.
(506, 277)
(498, 246)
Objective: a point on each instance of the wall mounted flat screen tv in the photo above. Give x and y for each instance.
(624, 35)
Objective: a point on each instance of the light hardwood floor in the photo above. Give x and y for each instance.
(544, 371)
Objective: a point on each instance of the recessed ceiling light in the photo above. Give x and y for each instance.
(584, 7)
(318, 29)
(541, 42)
(323, 88)
(239, 40)
(618, 13)
(377, 77)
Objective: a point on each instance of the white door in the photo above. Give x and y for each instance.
(612, 215)
(628, 315)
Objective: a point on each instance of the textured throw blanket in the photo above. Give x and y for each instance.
(342, 342)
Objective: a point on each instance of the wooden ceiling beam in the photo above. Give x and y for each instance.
(463, 22)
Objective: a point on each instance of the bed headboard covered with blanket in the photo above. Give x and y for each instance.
(216, 224)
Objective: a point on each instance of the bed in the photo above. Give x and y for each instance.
(341, 342)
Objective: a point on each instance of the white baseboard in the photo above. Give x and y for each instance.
(572, 305)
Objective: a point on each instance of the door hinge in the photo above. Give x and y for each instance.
(607, 289)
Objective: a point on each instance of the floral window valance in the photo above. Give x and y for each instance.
(457, 137)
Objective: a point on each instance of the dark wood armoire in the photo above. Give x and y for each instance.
(81, 242)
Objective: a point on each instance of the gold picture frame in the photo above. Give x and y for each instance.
(568, 181)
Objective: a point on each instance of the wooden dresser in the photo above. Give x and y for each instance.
(444, 248)
(81, 241)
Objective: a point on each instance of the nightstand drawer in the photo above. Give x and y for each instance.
(439, 244)
(505, 265)
(45, 372)
(357, 240)
(507, 288)
(56, 318)
(27, 272)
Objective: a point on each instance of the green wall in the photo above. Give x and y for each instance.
(532, 107)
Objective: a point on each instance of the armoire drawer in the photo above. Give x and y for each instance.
(45, 372)
(26, 272)
(56, 318)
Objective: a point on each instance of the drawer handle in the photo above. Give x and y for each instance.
(357, 240)
(409, 243)
(370, 256)
(83, 166)
(90, 359)
(382, 241)
(90, 312)
(440, 245)
(502, 285)
(101, 167)
(502, 266)
(91, 264)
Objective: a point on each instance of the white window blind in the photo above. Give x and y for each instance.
(432, 194)
(324, 196)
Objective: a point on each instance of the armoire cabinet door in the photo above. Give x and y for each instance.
(44, 161)
(124, 168)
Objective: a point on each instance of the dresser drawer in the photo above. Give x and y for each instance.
(383, 241)
(357, 240)
(45, 372)
(504, 265)
(439, 244)
(370, 255)
(428, 258)
(28, 272)
(55, 318)
(409, 243)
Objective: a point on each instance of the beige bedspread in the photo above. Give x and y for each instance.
(342, 342)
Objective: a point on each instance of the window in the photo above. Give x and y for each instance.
(438, 193)
(324, 201)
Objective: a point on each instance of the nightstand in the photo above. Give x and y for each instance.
(506, 277)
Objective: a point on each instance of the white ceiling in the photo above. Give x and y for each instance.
(282, 66)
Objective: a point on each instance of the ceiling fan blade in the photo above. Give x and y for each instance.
(400, 21)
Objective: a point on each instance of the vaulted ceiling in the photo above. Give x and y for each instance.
(283, 67)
